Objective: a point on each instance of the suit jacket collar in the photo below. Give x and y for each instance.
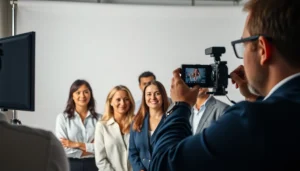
(281, 83)
(152, 138)
(210, 101)
(209, 107)
(110, 121)
(145, 130)
(290, 87)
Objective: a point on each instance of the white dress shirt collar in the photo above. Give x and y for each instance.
(282, 82)
(87, 115)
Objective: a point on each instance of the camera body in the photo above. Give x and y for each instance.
(213, 76)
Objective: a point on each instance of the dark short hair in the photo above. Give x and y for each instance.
(146, 74)
(279, 20)
(70, 108)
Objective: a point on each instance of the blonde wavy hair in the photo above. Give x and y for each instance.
(109, 111)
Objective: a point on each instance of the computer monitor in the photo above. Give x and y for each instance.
(17, 72)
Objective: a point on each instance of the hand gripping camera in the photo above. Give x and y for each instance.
(213, 76)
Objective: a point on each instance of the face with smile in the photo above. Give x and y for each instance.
(153, 97)
(120, 102)
(82, 96)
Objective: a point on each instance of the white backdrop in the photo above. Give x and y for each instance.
(112, 44)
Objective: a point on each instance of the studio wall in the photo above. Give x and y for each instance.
(109, 44)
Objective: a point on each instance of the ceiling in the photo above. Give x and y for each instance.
(164, 2)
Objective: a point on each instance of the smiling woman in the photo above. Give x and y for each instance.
(112, 132)
(76, 127)
(154, 104)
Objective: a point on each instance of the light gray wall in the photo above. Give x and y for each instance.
(124, 41)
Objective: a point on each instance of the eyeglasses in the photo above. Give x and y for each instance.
(239, 47)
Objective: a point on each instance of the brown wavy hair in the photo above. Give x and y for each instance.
(109, 111)
(70, 108)
(140, 116)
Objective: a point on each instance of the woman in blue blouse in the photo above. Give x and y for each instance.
(154, 104)
(75, 127)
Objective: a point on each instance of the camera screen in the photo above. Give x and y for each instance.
(195, 75)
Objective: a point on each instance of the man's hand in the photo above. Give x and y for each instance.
(238, 77)
(180, 92)
(69, 144)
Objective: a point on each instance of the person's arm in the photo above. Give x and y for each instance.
(100, 151)
(134, 157)
(176, 150)
(175, 128)
(57, 157)
(61, 133)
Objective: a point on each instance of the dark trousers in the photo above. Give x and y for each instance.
(85, 164)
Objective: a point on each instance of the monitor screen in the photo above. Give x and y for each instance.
(17, 72)
(195, 75)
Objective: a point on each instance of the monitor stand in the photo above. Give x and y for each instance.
(15, 120)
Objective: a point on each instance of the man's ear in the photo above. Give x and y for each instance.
(264, 50)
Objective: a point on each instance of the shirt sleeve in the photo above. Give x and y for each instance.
(100, 151)
(89, 147)
(61, 132)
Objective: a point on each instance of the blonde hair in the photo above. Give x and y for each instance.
(109, 111)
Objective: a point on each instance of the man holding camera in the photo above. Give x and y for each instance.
(253, 134)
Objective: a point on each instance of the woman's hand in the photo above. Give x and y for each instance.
(69, 144)
(84, 153)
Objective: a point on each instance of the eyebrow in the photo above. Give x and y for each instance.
(83, 90)
(154, 91)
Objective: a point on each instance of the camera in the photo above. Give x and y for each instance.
(213, 76)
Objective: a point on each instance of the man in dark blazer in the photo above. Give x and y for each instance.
(206, 111)
(251, 135)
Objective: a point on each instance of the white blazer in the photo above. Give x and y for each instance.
(111, 149)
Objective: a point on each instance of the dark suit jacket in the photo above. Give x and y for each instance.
(261, 135)
(140, 146)
(213, 111)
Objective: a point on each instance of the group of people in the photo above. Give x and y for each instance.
(121, 138)
(260, 133)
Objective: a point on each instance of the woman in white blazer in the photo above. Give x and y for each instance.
(112, 132)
